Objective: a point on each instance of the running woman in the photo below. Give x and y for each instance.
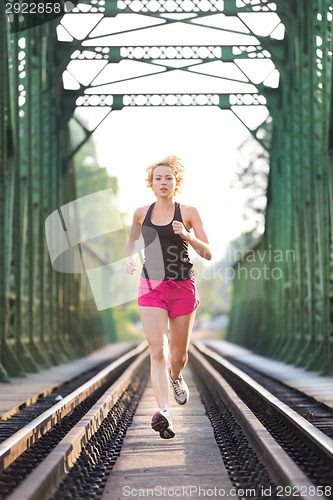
(167, 290)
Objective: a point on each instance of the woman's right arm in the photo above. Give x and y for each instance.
(134, 235)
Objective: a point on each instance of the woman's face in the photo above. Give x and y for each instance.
(164, 181)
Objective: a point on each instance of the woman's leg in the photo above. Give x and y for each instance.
(180, 332)
(155, 325)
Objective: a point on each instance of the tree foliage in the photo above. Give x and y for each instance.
(89, 175)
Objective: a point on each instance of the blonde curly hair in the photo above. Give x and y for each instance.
(170, 161)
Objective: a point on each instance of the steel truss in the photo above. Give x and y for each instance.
(45, 316)
(291, 318)
(168, 58)
(288, 318)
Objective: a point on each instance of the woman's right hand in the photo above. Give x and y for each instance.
(130, 266)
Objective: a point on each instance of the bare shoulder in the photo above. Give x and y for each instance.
(190, 216)
(188, 210)
(140, 214)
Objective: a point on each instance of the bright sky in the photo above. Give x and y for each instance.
(206, 138)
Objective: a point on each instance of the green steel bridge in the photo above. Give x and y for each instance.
(47, 317)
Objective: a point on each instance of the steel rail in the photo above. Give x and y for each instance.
(316, 436)
(281, 467)
(44, 480)
(14, 446)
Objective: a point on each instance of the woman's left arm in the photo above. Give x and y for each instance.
(198, 240)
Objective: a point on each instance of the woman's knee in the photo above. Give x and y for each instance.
(158, 352)
(179, 357)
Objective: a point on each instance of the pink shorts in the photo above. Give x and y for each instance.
(176, 297)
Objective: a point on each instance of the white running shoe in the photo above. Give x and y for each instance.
(161, 422)
(180, 389)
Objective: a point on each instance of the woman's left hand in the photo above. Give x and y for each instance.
(178, 228)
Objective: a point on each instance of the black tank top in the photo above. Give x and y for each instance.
(166, 253)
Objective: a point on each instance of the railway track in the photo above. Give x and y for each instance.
(303, 444)
(17, 418)
(69, 451)
(31, 445)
